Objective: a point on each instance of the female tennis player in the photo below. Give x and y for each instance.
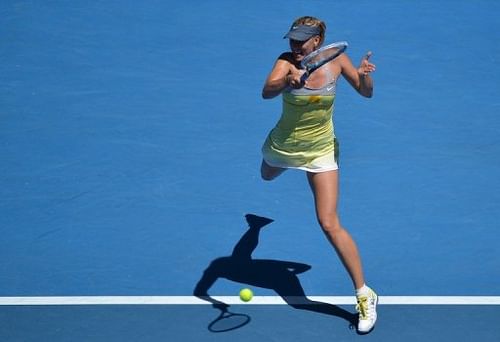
(304, 139)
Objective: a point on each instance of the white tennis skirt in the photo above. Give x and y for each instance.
(327, 162)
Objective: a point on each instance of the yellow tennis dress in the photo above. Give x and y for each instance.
(304, 136)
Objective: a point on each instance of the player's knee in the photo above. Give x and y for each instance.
(267, 176)
(330, 224)
(268, 173)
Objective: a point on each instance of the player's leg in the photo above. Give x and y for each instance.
(325, 189)
(268, 172)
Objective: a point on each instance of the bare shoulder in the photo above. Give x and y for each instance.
(344, 61)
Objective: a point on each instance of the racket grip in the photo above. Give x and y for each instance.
(304, 77)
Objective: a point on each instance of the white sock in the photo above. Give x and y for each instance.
(362, 290)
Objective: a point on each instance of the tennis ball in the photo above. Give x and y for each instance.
(246, 295)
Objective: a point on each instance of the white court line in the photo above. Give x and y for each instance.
(257, 300)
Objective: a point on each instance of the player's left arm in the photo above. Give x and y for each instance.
(359, 78)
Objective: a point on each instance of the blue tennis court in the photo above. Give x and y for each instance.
(130, 136)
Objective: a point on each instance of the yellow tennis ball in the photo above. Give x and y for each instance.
(246, 295)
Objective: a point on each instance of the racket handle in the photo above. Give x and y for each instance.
(304, 77)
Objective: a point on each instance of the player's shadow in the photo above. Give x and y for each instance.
(280, 276)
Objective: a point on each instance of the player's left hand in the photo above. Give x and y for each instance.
(366, 67)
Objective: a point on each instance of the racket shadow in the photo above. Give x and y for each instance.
(278, 275)
(228, 320)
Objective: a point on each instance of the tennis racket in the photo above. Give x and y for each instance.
(321, 56)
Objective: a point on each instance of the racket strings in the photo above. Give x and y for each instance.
(315, 60)
(323, 55)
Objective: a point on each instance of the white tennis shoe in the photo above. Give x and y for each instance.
(367, 308)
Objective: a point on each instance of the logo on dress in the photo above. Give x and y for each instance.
(314, 99)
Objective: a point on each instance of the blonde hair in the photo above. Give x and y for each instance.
(314, 22)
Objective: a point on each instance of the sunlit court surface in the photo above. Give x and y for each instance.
(130, 148)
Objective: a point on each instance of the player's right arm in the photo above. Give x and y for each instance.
(277, 79)
(283, 74)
